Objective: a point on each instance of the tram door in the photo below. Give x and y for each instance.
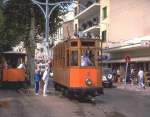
(1, 67)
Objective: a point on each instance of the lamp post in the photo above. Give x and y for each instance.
(49, 8)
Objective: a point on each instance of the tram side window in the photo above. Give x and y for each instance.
(87, 58)
(92, 56)
(74, 58)
(67, 60)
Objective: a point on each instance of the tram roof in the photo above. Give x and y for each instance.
(84, 39)
(78, 39)
(81, 39)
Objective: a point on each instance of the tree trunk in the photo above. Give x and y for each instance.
(30, 50)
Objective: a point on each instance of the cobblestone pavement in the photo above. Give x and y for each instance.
(129, 101)
(121, 86)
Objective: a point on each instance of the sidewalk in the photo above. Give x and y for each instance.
(134, 87)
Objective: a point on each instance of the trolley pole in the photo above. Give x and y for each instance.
(49, 8)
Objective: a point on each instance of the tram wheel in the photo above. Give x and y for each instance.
(65, 92)
(56, 87)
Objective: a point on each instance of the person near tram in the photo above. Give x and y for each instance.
(21, 66)
(118, 75)
(45, 78)
(5, 65)
(37, 78)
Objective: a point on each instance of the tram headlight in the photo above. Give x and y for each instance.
(104, 78)
(109, 76)
(88, 82)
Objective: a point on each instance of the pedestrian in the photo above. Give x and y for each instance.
(118, 76)
(132, 75)
(45, 79)
(114, 72)
(5, 64)
(21, 66)
(141, 78)
(37, 78)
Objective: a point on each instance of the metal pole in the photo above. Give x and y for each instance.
(46, 29)
(125, 82)
(47, 14)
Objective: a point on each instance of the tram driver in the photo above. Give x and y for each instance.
(85, 60)
(21, 66)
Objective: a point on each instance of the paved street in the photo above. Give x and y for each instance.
(80, 44)
(116, 102)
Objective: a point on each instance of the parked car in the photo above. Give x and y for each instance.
(107, 77)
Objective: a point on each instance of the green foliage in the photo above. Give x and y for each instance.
(1, 18)
(4, 44)
(15, 20)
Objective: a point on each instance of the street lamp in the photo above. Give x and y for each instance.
(47, 13)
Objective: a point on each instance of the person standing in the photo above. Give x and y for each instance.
(141, 78)
(5, 65)
(114, 72)
(21, 66)
(45, 78)
(37, 78)
(118, 76)
(132, 75)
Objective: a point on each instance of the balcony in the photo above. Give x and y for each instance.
(92, 29)
(88, 35)
(87, 11)
(91, 25)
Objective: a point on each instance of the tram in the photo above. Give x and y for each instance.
(71, 74)
(9, 72)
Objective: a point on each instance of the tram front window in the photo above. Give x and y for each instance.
(87, 58)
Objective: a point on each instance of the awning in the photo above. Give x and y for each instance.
(138, 59)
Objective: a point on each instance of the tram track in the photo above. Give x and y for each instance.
(109, 111)
(87, 109)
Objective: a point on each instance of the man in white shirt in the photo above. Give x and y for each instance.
(141, 78)
(45, 78)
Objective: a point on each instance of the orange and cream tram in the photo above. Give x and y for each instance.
(9, 70)
(71, 74)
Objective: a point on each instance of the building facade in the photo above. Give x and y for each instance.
(122, 25)
(128, 32)
(87, 18)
